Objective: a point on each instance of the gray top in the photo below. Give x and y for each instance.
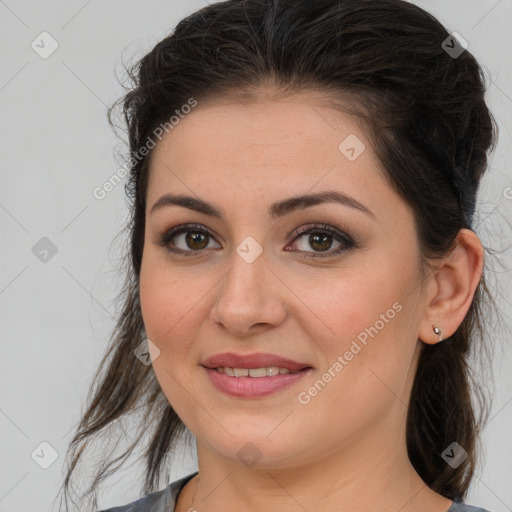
(165, 500)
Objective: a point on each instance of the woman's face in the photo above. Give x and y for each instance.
(245, 281)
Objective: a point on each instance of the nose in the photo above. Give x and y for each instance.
(249, 298)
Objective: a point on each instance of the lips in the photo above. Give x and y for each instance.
(258, 360)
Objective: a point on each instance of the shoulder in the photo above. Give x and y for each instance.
(460, 506)
(158, 501)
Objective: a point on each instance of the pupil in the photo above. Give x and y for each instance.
(321, 239)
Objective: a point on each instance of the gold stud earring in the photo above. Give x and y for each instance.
(437, 332)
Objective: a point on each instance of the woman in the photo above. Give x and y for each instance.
(304, 286)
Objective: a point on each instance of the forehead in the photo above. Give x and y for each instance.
(268, 141)
(264, 120)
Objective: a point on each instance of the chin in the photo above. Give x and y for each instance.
(255, 449)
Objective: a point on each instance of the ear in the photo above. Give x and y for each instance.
(452, 287)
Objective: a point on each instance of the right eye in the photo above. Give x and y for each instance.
(193, 239)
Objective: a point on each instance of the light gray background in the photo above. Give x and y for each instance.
(56, 147)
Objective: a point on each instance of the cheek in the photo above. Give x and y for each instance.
(165, 297)
(367, 359)
(353, 306)
(168, 311)
(370, 315)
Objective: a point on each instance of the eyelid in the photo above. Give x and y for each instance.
(319, 227)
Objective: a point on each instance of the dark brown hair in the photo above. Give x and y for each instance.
(423, 109)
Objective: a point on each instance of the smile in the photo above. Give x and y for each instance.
(268, 371)
(254, 382)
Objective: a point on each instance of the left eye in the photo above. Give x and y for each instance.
(318, 241)
(321, 239)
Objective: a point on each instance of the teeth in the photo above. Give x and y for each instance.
(269, 371)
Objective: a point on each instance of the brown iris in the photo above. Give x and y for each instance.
(195, 237)
(320, 241)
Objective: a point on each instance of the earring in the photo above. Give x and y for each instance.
(437, 332)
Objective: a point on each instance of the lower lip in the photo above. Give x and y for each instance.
(249, 387)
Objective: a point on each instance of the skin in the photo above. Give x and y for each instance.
(344, 450)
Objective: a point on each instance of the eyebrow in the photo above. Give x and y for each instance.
(276, 210)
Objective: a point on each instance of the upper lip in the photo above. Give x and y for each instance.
(258, 360)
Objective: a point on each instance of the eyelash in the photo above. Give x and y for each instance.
(345, 239)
